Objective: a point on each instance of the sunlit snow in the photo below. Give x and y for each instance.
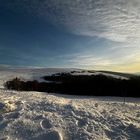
(49, 116)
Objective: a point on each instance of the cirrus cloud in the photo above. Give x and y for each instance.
(117, 20)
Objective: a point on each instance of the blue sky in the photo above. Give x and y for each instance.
(90, 34)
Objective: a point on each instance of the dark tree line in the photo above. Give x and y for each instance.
(96, 85)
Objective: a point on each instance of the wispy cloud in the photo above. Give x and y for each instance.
(113, 19)
(107, 61)
(117, 21)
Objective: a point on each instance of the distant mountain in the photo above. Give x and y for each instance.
(128, 75)
(31, 73)
(138, 73)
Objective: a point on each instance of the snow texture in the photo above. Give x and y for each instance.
(41, 116)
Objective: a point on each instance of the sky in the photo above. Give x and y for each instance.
(88, 34)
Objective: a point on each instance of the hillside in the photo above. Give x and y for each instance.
(8, 73)
(41, 116)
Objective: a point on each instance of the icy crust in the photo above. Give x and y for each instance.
(42, 116)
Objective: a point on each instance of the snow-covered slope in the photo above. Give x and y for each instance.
(37, 73)
(27, 73)
(42, 116)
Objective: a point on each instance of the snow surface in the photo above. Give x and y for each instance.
(43, 116)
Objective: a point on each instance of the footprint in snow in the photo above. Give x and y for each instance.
(45, 124)
(82, 122)
(138, 115)
(2, 107)
(1, 118)
(13, 115)
(4, 138)
(52, 135)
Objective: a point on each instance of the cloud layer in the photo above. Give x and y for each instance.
(117, 21)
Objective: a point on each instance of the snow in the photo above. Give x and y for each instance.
(37, 73)
(27, 74)
(111, 75)
(50, 116)
(40, 116)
